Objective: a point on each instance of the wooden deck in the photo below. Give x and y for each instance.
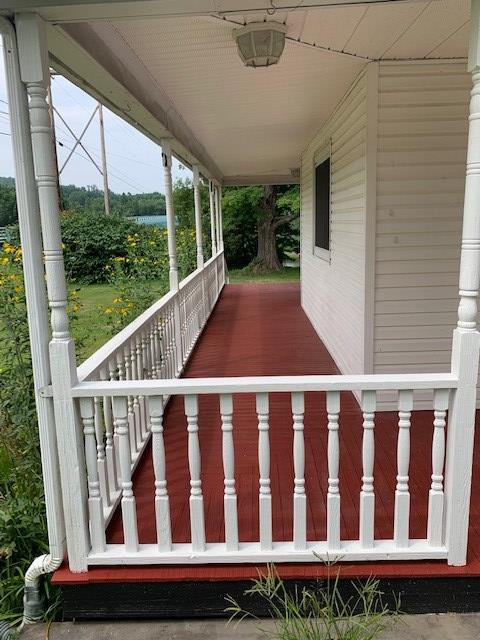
(260, 329)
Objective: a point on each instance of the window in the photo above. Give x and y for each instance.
(322, 208)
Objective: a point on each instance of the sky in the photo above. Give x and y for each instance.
(133, 161)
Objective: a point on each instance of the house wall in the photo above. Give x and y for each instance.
(421, 154)
(333, 292)
(387, 300)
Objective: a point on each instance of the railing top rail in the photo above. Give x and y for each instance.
(98, 359)
(267, 384)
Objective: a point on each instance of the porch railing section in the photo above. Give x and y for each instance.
(124, 399)
(155, 346)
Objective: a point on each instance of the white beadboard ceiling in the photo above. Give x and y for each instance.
(254, 123)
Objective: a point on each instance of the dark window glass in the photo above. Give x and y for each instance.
(322, 205)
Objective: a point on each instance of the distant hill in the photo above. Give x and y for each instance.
(89, 199)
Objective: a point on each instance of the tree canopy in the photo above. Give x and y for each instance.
(260, 222)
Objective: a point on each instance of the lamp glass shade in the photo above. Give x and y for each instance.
(260, 44)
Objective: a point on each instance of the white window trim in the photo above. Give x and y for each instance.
(322, 153)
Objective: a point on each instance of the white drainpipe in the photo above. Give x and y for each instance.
(37, 309)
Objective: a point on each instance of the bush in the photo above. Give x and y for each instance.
(23, 528)
(146, 260)
(90, 242)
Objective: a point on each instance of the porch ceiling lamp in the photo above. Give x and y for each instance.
(260, 44)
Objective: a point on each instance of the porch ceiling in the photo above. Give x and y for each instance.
(181, 75)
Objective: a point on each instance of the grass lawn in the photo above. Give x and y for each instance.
(90, 329)
(288, 274)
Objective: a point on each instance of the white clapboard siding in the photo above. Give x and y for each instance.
(333, 293)
(421, 153)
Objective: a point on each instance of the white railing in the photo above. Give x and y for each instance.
(155, 346)
(117, 398)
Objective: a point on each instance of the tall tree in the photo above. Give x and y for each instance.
(255, 219)
(275, 211)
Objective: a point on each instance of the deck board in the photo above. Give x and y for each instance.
(260, 329)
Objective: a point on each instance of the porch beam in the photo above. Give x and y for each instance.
(33, 57)
(93, 57)
(466, 339)
(246, 180)
(75, 10)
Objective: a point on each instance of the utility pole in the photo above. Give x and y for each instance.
(104, 160)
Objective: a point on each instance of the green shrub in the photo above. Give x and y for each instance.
(145, 261)
(23, 529)
(90, 242)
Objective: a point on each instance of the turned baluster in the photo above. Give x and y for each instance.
(228, 455)
(367, 494)
(402, 493)
(95, 503)
(265, 498)
(333, 496)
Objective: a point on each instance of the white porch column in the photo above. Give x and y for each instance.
(220, 216)
(172, 244)
(198, 215)
(33, 58)
(465, 348)
(172, 251)
(213, 233)
(217, 218)
(35, 292)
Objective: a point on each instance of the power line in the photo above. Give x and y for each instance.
(129, 184)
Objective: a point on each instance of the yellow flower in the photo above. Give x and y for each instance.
(4, 260)
(116, 300)
(108, 311)
(18, 288)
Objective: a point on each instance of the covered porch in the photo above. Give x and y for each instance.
(215, 430)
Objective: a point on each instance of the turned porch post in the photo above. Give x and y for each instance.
(217, 218)
(35, 292)
(465, 347)
(33, 56)
(220, 217)
(213, 233)
(172, 248)
(172, 245)
(198, 215)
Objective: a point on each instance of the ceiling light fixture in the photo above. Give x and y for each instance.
(260, 44)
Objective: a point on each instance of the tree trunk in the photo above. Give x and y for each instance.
(267, 256)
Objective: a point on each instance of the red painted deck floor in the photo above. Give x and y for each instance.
(260, 329)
